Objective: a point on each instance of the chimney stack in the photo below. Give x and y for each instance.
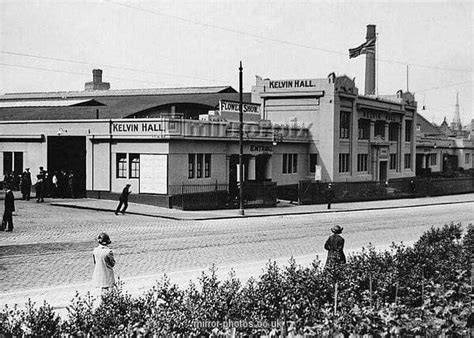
(370, 64)
(96, 83)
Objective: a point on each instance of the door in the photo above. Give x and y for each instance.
(383, 171)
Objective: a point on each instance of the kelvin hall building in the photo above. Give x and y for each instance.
(171, 143)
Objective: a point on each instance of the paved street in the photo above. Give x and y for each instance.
(51, 246)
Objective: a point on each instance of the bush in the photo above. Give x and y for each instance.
(419, 290)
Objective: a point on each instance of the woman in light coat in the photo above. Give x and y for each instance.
(103, 276)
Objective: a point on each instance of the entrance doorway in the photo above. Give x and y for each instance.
(262, 172)
(383, 171)
(67, 159)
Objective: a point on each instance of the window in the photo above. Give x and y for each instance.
(364, 129)
(380, 129)
(362, 160)
(134, 169)
(408, 131)
(343, 163)
(393, 132)
(121, 164)
(393, 161)
(313, 162)
(207, 165)
(191, 164)
(345, 125)
(199, 167)
(407, 161)
(290, 163)
(467, 158)
(433, 159)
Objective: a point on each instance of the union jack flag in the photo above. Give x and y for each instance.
(367, 47)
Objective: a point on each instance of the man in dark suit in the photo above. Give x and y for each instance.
(123, 200)
(40, 185)
(329, 195)
(25, 184)
(9, 208)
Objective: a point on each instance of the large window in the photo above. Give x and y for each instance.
(393, 132)
(345, 125)
(207, 165)
(343, 163)
(380, 129)
(408, 131)
(290, 163)
(121, 165)
(393, 161)
(407, 161)
(433, 159)
(191, 165)
(7, 162)
(313, 162)
(362, 160)
(364, 129)
(199, 165)
(134, 169)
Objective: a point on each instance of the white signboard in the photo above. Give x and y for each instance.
(232, 106)
(153, 174)
(138, 128)
(317, 173)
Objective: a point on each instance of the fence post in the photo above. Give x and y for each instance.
(182, 196)
(335, 298)
(299, 192)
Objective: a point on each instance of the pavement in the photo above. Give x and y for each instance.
(283, 208)
(59, 296)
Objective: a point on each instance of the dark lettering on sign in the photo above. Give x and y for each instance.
(292, 84)
(235, 107)
(261, 148)
(135, 127)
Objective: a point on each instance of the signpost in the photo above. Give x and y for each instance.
(241, 146)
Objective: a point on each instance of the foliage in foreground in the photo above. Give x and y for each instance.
(421, 290)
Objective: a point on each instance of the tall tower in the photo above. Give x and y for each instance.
(456, 125)
(370, 64)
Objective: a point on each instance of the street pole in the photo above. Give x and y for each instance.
(241, 150)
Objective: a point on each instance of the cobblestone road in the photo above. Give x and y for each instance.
(53, 245)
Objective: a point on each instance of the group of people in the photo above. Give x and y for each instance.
(104, 261)
(59, 184)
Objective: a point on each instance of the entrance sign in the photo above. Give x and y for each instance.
(317, 173)
(153, 174)
(260, 148)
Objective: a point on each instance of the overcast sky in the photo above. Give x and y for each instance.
(54, 45)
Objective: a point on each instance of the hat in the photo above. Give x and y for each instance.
(103, 238)
(27, 168)
(128, 185)
(337, 229)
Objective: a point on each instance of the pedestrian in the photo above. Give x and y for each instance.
(40, 185)
(413, 187)
(104, 262)
(70, 184)
(25, 184)
(7, 220)
(329, 195)
(335, 247)
(123, 200)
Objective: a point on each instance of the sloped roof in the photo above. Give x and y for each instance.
(120, 92)
(118, 104)
(426, 127)
(48, 103)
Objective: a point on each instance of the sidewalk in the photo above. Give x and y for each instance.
(283, 208)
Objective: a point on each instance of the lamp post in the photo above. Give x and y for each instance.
(241, 147)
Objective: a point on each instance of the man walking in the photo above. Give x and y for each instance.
(25, 184)
(123, 200)
(40, 185)
(9, 208)
(329, 195)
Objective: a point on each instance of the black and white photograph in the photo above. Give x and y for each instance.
(240, 168)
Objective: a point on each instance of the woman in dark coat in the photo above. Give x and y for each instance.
(335, 247)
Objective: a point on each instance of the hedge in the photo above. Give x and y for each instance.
(421, 290)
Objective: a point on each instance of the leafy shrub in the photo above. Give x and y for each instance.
(419, 290)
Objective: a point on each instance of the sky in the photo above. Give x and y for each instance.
(54, 45)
